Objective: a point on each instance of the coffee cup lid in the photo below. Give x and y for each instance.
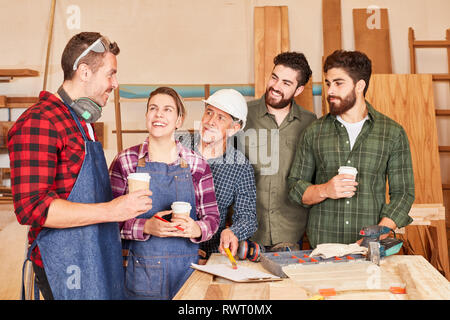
(181, 205)
(348, 169)
(141, 176)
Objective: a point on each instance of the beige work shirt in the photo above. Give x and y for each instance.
(270, 149)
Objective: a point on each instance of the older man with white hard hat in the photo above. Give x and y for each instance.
(234, 182)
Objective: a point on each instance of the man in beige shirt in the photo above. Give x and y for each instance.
(274, 126)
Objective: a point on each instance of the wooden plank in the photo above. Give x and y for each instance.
(21, 102)
(441, 247)
(332, 25)
(2, 101)
(411, 287)
(100, 132)
(49, 42)
(260, 86)
(250, 291)
(429, 282)
(285, 40)
(371, 29)
(408, 99)
(4, 128)
(412, 52)
(444, 148)
(305, 99)
(359, 276)
(195, 287)
(18, 73)
(118, 117)
(272, 38)
(447, 36)
(218, 291)
(12, 256)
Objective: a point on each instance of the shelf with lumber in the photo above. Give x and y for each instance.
(17, 102)
(7, 75)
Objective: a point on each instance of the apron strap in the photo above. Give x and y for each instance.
(36, 288)
(75, 117)
(183, 163)
(141, 162)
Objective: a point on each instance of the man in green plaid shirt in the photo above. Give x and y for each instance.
(352, 134)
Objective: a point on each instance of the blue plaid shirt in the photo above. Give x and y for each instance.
(234, 183)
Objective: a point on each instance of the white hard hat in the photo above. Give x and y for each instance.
(231, 101)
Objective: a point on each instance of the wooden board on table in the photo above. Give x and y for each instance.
(371, 29)
(204, 286)
(358, 280)
(241, 274)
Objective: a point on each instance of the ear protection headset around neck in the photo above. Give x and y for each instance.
(84, 107)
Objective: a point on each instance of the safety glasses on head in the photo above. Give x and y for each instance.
(97, 46)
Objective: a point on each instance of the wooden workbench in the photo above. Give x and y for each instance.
(421, 279)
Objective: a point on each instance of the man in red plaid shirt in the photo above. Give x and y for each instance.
(47, 150)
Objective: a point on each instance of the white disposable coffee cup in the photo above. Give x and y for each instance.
(181, 208)
(348, 170)
(138, 181)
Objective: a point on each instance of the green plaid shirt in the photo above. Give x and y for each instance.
(381, 151)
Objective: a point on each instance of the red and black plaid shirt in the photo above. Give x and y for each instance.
(46, 151)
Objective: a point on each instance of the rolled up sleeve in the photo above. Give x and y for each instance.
(302, 170)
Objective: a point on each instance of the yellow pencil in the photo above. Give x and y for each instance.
(230, 257)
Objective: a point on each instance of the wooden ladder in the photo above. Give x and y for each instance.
(413, 45)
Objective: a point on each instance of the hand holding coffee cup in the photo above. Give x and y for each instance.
(348, 171)
(181, 214)
(180, 209)
(138, 181)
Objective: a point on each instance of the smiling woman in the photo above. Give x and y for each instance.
(177, 174)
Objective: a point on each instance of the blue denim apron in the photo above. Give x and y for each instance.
(158, 267)
(85, 262)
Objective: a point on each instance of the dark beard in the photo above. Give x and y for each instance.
(346, 104)
(283, 103)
